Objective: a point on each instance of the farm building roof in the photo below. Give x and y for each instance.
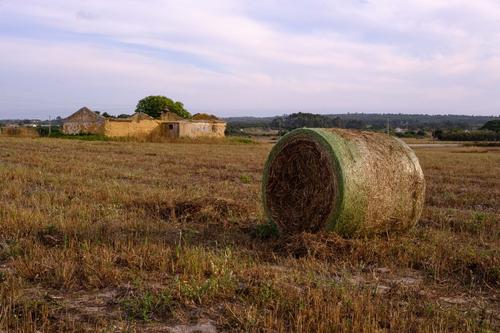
(140, 116)
(171, 116)
(84, 113)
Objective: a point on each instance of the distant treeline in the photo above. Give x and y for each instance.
(443, 127)
(363, 121)
(298, 120)
(490, 131)
(461, 135)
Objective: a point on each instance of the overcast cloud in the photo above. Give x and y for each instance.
(250, 57)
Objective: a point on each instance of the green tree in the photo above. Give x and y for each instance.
(492, 125)
(155, 105)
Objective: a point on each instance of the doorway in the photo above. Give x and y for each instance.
(171, 130)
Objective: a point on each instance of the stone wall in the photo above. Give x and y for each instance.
(145, 127)
(83, 127)
(124, 128)
(201, 129)
(219, 129)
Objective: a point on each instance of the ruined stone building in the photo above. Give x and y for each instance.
(84, 121)
(170, 125)
(174, 126)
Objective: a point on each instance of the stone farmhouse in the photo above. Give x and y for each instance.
(170, 125)
(84, 121)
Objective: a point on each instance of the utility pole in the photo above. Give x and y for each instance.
(280, 125)
(388, 127)
(50, 125)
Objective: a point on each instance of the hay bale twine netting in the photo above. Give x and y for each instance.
(350, 182)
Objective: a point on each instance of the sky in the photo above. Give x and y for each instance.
(250, 57)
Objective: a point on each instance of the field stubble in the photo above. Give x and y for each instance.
(124, 236)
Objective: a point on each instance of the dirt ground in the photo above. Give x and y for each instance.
(171, 237)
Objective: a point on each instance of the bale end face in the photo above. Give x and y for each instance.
(301, 185)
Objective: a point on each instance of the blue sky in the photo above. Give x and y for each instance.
(250, 57)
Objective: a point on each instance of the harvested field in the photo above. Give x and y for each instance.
(156, 237)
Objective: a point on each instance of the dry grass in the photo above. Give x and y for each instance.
(124, 236)
(20, 132)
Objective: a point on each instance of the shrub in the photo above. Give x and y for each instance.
(459, 135)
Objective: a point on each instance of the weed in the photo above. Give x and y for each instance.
(241, 140)
(267, 230)
(10, 249)
(246, 179)
(148, 305)
(52, 236)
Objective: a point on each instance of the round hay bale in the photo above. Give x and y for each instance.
(350, 182)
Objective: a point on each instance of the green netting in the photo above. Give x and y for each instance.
(349, 182)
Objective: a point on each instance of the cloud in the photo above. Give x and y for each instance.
(256, 57)
(85, 15)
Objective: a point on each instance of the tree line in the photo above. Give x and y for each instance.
(442, 127)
